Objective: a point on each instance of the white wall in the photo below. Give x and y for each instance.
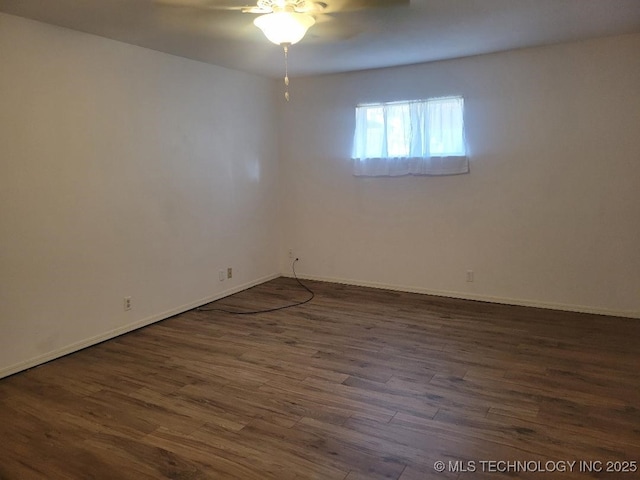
(124, 172)
(549, 215)
(128, 172)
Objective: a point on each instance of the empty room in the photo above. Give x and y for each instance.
(339, 239)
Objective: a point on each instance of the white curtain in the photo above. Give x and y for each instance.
(410, 138)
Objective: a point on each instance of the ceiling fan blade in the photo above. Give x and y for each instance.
(330, 29)
(211, 5)
(323, 18)
(192, 23)
(310, 7)
(257, 10)
(335, 6)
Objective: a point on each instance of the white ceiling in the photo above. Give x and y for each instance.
(423, 31)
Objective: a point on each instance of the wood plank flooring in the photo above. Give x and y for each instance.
(358, 384)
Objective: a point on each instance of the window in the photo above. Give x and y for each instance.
(418, 137)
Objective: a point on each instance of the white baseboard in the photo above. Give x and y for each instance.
(74, 347)
(472, 296)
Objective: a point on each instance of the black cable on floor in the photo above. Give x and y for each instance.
(253, 312)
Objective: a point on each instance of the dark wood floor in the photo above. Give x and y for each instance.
(358, 384)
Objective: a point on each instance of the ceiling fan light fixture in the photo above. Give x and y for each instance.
(284, 27)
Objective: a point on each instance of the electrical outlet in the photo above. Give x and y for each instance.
(291, 253)
(221, 275)
(229, 272)
(127, 303)
(469, 275)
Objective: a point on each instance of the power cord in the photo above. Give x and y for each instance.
(254, 312)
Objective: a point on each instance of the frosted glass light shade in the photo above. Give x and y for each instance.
(284, 27)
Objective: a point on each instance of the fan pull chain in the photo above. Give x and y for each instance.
(286, 72)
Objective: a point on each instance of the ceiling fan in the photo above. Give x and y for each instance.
(320, 11)
(285, 22)
(299, 6)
